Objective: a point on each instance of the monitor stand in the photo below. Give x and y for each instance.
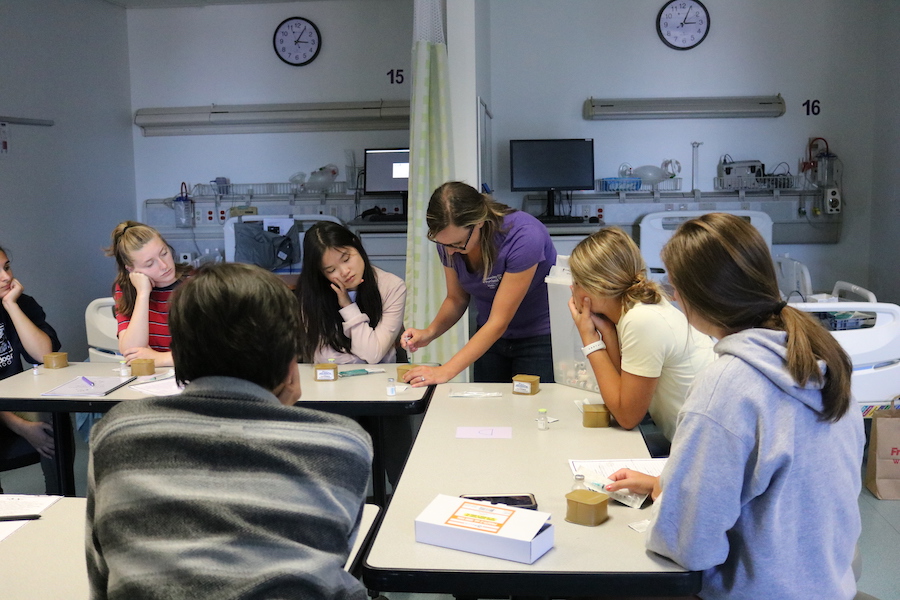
(550, 216)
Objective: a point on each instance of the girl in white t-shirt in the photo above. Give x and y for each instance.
(641, 348)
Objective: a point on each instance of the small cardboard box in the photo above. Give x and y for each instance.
(586, 507)
(494, 530)
(595, 415)
(326, 372)
(526, 384)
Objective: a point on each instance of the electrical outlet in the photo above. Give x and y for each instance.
(209, 216)
(223, 215)
(586, 210)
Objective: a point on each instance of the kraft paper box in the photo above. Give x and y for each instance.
(494, 530)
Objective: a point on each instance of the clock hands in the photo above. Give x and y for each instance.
(687, 13)
(298, 40)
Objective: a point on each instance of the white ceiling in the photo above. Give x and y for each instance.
(185, 3)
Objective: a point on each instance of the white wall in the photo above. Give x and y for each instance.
(885, 245)
(548, 58)
(224, 55)
(63, 188)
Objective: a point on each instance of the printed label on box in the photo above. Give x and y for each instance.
(325, 374)
(521, 387)
(487, 519)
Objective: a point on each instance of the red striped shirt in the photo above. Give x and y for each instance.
(158, 325)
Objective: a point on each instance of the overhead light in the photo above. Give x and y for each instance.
(274, 118)
(729, 107)
(24, 121)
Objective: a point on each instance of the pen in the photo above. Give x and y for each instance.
(19, 517)
(87, 381)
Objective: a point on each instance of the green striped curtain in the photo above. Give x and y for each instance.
(429, 167)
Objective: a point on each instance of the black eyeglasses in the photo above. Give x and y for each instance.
(456, 246)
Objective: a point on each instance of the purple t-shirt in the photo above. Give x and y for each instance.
(523, 243)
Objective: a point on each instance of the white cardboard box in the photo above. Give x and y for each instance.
(494, 530)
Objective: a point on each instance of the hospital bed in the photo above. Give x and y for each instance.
(874, 350)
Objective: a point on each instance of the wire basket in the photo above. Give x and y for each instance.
(846, 321)
(267, 189)
(619, 184)
(635, 184)
(756, 182)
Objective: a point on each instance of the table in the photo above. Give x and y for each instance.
(46, 558)
(22, 392)
(365, 396)
(608, 559)
(362, 396)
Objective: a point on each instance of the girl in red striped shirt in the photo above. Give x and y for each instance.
(147, 277)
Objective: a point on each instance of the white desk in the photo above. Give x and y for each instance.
(608, 559)
(362, 396)
(45, 559)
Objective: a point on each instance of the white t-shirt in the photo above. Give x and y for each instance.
(657, 341)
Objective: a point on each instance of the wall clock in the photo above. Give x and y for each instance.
(297, 41)
(682, 24)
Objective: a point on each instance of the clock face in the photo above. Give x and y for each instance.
(682, 24)
(297, 41)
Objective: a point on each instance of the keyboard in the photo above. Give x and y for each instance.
(387, 218)
(557, 219)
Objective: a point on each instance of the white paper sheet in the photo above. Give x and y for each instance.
(18, 504)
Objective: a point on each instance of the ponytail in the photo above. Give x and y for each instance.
(723, 271)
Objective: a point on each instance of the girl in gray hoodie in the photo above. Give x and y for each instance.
(761, 489)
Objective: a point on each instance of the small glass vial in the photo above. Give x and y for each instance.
(34, 369)
(578, 483)
(123, 369)
(391, 388)
(542, 423)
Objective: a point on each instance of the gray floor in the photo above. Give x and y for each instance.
(879, 544)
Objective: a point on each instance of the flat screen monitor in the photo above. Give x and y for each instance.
(551, 166)
(387, 171)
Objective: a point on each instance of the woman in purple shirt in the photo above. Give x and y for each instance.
(499, 256)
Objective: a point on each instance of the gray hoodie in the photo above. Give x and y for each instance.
(758, 493)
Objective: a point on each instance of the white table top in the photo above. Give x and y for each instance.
(46, 558)
(531, 461)
(369, 392)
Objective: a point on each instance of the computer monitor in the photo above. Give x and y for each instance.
(387, 171)
(551, 166)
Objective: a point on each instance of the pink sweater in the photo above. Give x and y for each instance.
(369, 344)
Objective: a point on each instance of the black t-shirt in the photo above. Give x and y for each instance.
(11, 350)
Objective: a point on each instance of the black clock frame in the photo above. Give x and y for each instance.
(663, 37)
(275, 43)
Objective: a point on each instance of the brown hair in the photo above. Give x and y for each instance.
(129, 237)
(608, 263)
(722, 269)
(459, 204)
(234, 320)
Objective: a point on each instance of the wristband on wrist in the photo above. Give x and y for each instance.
(593, 347)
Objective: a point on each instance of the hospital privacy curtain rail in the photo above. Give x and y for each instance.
(598, 109)
(274, 118)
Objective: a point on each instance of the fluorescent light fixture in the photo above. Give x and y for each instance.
(729, 107)
(24, 121)
(274, 118)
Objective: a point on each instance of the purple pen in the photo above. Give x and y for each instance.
(87, 381)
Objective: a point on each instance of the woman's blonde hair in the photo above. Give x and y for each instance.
(608, 263)
(459, 204)
(722, 269)
(129, 237)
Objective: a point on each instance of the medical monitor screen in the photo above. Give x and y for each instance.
(544, 165)
(387, 171)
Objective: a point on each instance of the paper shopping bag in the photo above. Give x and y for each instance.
(883, 464)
